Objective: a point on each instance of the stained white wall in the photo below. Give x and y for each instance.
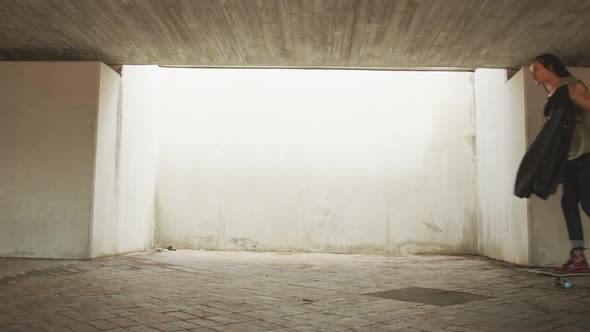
(138, 158)
(340, 161)
(47, 120)
(105, 219)
(125, 173)
(508, 117)
(77, 177)
(549, 239)
(501, 143)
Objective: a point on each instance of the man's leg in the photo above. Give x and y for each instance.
(570, 203)
(584, 182)
(573, 189)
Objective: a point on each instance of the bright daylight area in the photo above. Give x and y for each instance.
(312, 160)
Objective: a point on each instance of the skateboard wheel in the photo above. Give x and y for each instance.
(566, 283)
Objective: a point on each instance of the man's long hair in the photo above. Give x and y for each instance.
(553, 63)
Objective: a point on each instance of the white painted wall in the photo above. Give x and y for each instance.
(500, 128)
(47, 119)
(549, 239)
(77, 177)
(105, 219)
(339, 161)
(126, 161)
(138, 158)
(508, 117)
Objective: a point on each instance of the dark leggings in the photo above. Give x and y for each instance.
(576, 192)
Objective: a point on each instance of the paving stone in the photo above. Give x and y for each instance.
(166, 326)
(180, 315)
(123, 322)
(56, 328)
(142, 329)
(102, 324)
(203, 322)
(202, 329)
(82, 327)
(244, 291)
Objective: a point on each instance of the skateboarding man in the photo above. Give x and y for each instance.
(548, 70)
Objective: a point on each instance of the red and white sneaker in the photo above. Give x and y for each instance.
(576, 263)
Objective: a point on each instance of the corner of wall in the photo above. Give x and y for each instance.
(529, 216)
(503, 225)
(94, 147)
(478, 213)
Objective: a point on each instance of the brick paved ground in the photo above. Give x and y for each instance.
(226, 291)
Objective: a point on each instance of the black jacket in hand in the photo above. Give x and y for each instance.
(541, 168)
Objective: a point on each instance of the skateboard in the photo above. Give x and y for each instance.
(561, 279)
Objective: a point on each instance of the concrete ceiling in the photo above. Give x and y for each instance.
(297, 33)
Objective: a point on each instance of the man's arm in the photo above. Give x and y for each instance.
(580, 96)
